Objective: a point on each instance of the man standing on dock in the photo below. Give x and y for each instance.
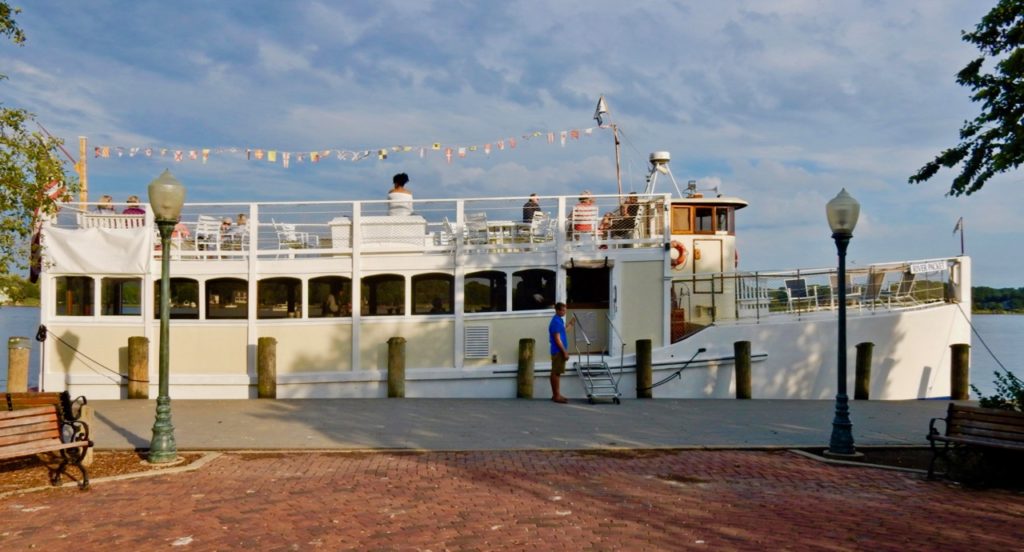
(559, 350)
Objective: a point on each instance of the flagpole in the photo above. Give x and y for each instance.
(961, 236)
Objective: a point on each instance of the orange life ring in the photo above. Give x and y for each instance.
(677, 252)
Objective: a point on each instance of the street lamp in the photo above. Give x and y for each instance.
(166, 196)
(842, 213)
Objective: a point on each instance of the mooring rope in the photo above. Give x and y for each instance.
(678, 373)
(43, 332)
(982, 340)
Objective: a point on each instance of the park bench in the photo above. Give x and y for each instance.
(30, 431)
(69, 410)
(978, 427)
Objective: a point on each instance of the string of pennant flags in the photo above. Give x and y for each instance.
(286, 158)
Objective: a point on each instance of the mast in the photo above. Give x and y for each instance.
(599, 113)
(81, 167)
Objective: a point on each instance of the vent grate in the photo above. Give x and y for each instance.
(478, 341)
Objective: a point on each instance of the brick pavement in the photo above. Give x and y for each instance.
(564, 500)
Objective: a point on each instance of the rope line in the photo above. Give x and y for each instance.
(43, 332)
(982, 340)
(676, 374)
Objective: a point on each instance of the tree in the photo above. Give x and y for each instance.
(993, 142)
(29, 162)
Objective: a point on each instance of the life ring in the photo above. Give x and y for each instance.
(677, 252)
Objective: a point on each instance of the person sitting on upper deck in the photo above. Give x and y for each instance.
(531, 206)
(106, 205)
(133, 206)
(584, 214)
(400, 199)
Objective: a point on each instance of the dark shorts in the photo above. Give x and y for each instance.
(558, 364)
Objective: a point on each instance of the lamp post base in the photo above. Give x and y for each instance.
(162, 448)
(841, 442)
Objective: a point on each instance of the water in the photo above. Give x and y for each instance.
(1001, 332)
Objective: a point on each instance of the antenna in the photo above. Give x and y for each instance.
(659, 165)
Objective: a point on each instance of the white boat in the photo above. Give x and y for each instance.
(463, 281)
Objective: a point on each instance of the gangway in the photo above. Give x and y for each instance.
(597, 379)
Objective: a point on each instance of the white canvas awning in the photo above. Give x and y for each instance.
(95, 250)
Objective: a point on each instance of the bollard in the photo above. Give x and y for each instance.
(524, 381)
(18, 350)
(960, 371)
(644, 375)
(138, 367)
(396, 368)
(266, 368)
(741, 350)
(862, 382)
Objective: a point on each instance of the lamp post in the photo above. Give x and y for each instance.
(842, 213)
(166, 196)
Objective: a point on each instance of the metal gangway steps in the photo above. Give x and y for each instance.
(598, 381)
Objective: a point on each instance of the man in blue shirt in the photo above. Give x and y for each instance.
(559, 350)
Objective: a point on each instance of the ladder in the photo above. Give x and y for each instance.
(596, 376)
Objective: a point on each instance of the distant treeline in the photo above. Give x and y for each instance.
(986, 299)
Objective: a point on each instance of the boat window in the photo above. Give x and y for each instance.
(432, 293)
(184, 299)
(485, 291)
(279, 298)
(319, 303)
(534, 289)
(587, 288)
(703, 222)
(121, 296)
(383, 295)
(74, 296)
(722, 220)
(227, 298)
(680, 219)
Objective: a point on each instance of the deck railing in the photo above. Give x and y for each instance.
(314, 229)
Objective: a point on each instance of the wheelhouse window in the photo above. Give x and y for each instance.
(383, 295)
(227, 298)
(121, 296)
(703, 220)
(433, 293)
(680, 219)
(485, 291)
(184, 299)
(534, 289)
(74, 296)
(330, 296)
(279, 298)
(723, 220)
(587, 288)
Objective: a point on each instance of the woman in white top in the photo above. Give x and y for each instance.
(400, 199)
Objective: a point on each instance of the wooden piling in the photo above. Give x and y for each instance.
(959, 385)
(396, 368)
(644, 373)
(18, 350)
(524, 376)
(138, 367)
(266, 368)
(862, 381)
(741, 352)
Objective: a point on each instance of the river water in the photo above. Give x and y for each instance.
(1001, 334)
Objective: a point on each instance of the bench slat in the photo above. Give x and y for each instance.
(1008, 419)
(37, 447)
(997, 443)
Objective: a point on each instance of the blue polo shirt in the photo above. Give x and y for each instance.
(557, 325)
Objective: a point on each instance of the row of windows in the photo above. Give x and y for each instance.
(328, 296)
(701, 220)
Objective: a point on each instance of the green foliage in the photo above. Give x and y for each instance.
(1009, 393)
(28, 161)
(986, 299)
(993, 142)
(18, 289)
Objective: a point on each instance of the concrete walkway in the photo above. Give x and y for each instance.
(495, 424)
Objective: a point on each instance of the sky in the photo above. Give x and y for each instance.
(782, 103)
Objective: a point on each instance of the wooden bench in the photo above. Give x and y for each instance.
(69, 410)
(975, 426)
(30, 431)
